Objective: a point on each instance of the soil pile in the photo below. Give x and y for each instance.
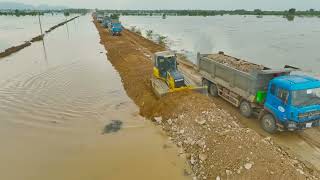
(239, 64)
(37, 38)
(14, 49)
(210, 139)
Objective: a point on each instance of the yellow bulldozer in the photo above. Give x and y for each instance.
(166, 76)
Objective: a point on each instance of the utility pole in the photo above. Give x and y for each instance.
(40, 23)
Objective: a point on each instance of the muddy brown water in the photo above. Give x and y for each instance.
(57, 97)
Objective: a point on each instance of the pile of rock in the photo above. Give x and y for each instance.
(217, 147)
(239, 64)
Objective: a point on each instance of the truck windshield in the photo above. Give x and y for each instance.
(306, 97)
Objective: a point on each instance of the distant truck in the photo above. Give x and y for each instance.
(281, 100)
(106, 21)
(99, 18)
(115, 27)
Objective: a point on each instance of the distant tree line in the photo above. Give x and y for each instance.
(18, 13)
(257, 12)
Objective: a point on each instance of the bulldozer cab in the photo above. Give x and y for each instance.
(165, 62)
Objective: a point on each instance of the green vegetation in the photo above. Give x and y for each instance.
(149, 34)
(256, 12)
(162, 40)
(135, 30)
(66, 13)
(115, 16)
(18, 13)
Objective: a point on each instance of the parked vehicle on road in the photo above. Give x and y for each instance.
(281, 100)
(106, 21)
(100, 18)
(115, 27)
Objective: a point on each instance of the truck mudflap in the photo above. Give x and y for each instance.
(292, 126)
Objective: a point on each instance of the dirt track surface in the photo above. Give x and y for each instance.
(210, 139)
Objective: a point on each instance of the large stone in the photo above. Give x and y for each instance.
(228, 172)
(158, 120)
(248, 166)
(203, 157)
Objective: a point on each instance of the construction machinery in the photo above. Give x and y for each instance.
(166, 76)
(282, 100)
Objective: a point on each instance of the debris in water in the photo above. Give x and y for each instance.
(112, 127)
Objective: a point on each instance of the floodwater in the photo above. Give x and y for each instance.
(15, 30)
(272, 40)
(56, 100)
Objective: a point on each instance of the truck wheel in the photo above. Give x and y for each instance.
(245, 109)
(213, 90)
(205, 83)
(268, 123)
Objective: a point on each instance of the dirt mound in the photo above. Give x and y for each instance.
(209, 138)
(236, 63)
(37, 38)
(14, 49)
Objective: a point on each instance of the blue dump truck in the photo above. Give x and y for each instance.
(281, 100)
(115, 27)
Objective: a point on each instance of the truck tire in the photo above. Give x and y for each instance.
(206, 83)
(213, 89)
(268, 123)
(245, 109)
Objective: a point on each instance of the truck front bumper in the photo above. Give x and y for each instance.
(291, 125)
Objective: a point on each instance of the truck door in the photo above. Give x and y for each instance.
(278, 100)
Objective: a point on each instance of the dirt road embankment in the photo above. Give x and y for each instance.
(17, 48)
(212, 141)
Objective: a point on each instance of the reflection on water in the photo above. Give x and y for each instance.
(56, 99)
(15, 30)
(272, 41)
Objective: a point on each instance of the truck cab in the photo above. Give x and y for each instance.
(292, 103)
(115, 28)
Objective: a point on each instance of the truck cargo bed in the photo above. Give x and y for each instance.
(236, 63)
(238, 76)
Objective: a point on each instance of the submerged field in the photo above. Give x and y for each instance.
(272, 40)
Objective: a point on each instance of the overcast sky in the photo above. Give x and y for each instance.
(181, 4)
